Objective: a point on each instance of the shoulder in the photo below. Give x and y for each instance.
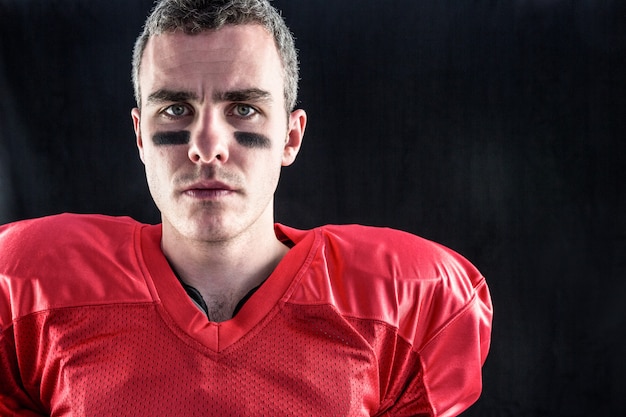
(56, 236)
(395, 253)
(410, 283)
(63, 240)
(61, 227)
(65, 260)
(385, 253)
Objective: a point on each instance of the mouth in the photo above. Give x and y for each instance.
(208, 190)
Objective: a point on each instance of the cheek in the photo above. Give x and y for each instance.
(153, 170)
(159, 165)
(151, 161)
(165, 157)
(274, 169)
(262, 167)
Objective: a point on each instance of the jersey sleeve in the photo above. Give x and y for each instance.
(451, 341)
(432, 311)
(435, 306)
(447, 378)
(14, 400)
(36, 258)
(14, 397)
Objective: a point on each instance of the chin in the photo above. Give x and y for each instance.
(211, 231)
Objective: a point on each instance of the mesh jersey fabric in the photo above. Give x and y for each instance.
(354, 321)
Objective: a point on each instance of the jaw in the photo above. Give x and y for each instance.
(212, 224)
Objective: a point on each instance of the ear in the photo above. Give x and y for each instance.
(136, 116)
(297, 124)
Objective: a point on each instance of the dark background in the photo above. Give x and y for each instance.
(493, 127)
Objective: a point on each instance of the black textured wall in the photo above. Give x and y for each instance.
(494, 127)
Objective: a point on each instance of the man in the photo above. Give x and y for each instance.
(219, 311)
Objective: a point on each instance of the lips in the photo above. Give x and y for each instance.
(208, 190)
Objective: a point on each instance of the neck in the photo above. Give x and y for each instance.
(224, 272)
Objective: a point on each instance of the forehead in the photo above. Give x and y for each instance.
(241, 56)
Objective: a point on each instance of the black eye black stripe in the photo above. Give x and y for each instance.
(252, 140)
(182, 137)
(171, 138)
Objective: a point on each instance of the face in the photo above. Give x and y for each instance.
(213, 131)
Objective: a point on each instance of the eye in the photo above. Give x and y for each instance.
(176, 110)
(243, 110)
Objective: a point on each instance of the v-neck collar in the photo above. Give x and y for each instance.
(184, 317)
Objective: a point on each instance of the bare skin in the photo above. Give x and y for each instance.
(213, 134)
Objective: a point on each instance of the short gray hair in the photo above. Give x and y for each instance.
(195, 16)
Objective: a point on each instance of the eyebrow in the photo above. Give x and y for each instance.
(248, 94)
(164, 95)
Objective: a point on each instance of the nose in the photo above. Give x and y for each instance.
(209, 141)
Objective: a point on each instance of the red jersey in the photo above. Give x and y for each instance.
(354, 321)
